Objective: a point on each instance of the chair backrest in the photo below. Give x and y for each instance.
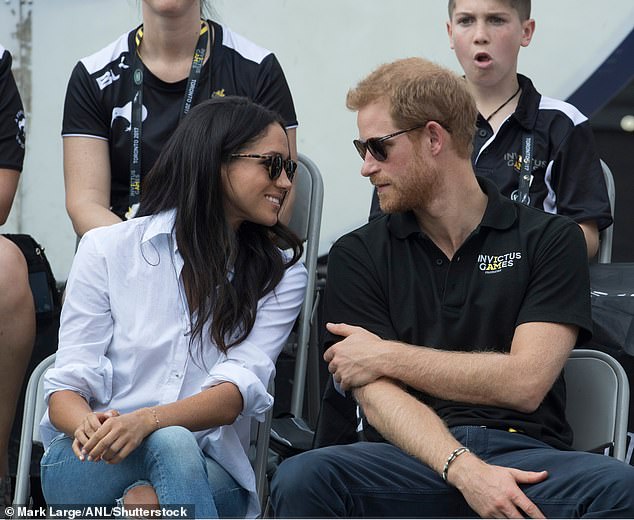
(306, 223)
(34, 408)
(605, 236)
(260, 459)
(597, 403)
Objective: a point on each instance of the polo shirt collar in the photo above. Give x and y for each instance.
(500, 213)
(528, 105)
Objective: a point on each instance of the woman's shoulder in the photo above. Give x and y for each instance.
(238, 45)
(113, 58)
(110, 239)
(297, 270)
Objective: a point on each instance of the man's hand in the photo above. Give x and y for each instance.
(357, 359)
(493, 491)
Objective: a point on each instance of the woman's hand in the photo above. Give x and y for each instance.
(87, 428)
(118, 436)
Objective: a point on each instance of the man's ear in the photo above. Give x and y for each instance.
(437, 137)
(528, 29)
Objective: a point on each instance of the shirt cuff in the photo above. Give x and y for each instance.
(256, 399)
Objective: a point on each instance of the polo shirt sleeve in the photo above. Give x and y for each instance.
(86, 329)
(559, 288)
(354, 292)
(273, 92)
(579, 183)
(83, 110)
(11, 117)
(250, 364)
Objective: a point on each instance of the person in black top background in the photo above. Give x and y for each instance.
(17, 312)
(174, 60)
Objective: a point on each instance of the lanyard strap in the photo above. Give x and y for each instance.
(137, 108)
(524, 166)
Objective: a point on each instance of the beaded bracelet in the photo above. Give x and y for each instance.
(156, 419)
(454, 455)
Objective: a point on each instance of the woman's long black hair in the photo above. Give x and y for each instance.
(187, 177)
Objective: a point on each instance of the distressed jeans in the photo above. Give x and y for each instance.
(169, 459)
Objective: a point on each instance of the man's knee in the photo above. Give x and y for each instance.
(619, 484)
(303, 484)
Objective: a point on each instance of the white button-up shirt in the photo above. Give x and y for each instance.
(124, 337)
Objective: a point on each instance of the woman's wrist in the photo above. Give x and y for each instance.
(152, 419)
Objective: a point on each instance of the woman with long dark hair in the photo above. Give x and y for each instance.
(172, 324)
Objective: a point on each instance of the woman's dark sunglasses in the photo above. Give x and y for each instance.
(275, 163)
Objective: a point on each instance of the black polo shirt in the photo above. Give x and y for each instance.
(567, 175)
(519, 265)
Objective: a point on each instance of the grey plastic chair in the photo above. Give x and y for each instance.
(260, 437)
(35, 407)
(597, 404)
(605, 236)
(306, 223)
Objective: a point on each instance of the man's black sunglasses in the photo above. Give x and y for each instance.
(375, 146)
(275, 163)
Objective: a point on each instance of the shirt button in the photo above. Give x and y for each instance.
(457, 259)
(482, 132)
(439, 261)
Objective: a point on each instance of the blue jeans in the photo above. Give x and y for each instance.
(169, 459)
(379, 480)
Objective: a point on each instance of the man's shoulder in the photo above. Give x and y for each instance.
(538, 229)
(375, 231)
(532, 217)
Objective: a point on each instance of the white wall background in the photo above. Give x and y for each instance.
(324, 46)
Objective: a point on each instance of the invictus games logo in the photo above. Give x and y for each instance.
(20, 121)
(491, 264)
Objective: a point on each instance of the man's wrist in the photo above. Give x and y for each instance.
(460, 470)
(451, 458)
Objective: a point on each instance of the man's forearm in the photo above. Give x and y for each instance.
(519, 379)
(406, 422)
(491, 491)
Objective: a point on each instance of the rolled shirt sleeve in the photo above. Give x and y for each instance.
(85, 331)
(251, 364)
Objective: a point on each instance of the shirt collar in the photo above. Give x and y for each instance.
(500, 213)
(160, 224)
(528, 105)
